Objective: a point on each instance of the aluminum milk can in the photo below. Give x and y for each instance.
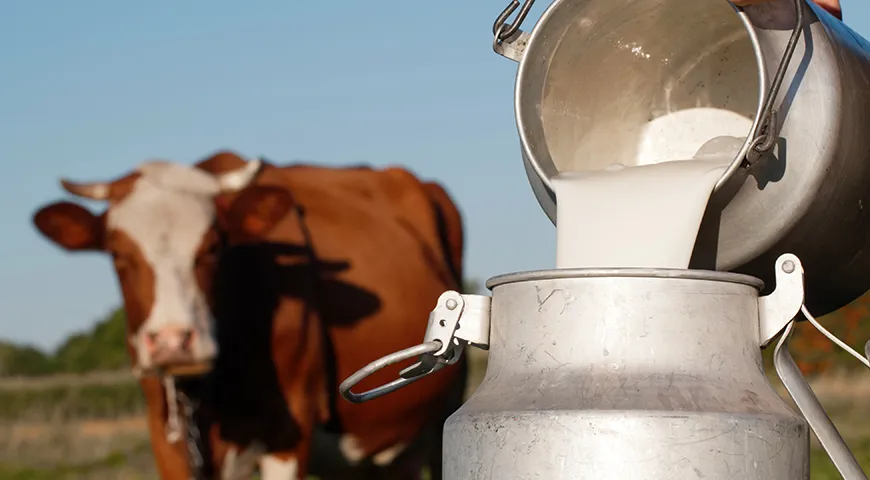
(654, 374)
(617, 374)
(592, 73)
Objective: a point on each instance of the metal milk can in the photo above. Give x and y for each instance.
(654, 374)
(625, 374)
(592, 73)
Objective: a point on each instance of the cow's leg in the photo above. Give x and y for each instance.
(280, 467)
(409, 465)
(170, 461)
(287, 465)
(241, 463)
(170, 458)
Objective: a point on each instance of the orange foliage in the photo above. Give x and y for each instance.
(815, 354)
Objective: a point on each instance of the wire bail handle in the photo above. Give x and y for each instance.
(456, 321)
(502, 30)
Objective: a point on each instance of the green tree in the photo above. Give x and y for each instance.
(102, 348)
(26, 360)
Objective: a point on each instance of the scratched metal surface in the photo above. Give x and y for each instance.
(631, 377)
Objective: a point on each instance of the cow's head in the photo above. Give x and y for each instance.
(164, 228)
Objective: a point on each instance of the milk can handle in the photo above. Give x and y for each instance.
(809, 405)
(400, 356)
(442, 344)
(764, 134)
(502, 30)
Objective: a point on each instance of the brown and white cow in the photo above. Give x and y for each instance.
(279, 282)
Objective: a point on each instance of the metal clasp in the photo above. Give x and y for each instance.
(456, 321)
(777, 313)
(508, 40)
(779, 308)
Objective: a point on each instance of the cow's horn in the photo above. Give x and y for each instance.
(94, 191)
(238, 179)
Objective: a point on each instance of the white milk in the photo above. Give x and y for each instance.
(647, 215)
(678, 135)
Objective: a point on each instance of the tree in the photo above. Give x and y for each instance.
(103, 348)
(24, 360)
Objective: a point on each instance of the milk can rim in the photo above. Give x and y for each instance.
(664, 273)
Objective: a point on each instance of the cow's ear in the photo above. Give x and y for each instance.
(255, 211)
(70, 226)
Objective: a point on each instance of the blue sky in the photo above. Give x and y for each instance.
(90, 89)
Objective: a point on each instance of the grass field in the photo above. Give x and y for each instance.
(92, 427)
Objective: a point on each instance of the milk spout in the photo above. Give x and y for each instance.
(644, 216)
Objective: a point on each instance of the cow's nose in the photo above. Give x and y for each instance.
(169, 340)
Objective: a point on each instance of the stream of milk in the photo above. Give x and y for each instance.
(647, 215)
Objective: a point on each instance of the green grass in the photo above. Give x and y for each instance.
(113, 461)
(62, 403)
(107, 467)
(821, 467)
(71, 402)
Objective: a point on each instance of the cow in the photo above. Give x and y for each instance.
(265, 285)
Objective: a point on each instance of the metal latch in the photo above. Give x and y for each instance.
(456, 321)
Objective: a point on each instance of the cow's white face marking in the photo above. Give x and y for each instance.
(167, 214)
(272, 468)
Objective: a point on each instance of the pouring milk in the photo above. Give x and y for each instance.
(648, 215)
